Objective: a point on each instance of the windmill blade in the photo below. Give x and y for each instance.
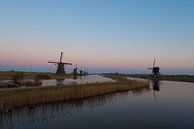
(77, 67)
(53, 62)
(61, 56)
(67, 63)
(154, 62)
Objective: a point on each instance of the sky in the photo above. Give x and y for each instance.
(98, 35)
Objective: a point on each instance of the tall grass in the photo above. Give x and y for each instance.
(32, 96)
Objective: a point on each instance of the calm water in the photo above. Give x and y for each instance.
(69, 82)
(170, 106)
(83, 80)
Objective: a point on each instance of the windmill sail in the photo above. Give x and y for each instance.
(155, 70)
(60, 65)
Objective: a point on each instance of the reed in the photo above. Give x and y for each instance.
(32, 96)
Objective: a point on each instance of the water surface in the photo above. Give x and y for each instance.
(80, 80)
(168, 107)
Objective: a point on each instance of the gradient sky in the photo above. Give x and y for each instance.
(99, 35)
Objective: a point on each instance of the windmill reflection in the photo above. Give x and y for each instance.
(60, 81)
(156, 85)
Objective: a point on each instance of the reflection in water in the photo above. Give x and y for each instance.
(26, 117)
(173, 109)
(156, 85)
(60, 81)
(82, 80)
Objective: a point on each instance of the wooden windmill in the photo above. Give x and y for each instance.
(155, 70)
(60, 65)
(75, 72)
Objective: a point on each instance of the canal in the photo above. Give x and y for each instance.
(167, 105)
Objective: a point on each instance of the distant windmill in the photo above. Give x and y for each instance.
(155, 70)
(81, 73)
(75, 72)
(60, 65)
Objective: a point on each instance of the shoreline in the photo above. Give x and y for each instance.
(32, 96)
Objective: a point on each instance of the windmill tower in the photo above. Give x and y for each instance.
(155, 70)
(60, 65)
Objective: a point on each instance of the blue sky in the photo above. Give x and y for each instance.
(100, 35)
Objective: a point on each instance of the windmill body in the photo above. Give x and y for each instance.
(155, 71)
(75, 72)
(60, 65)
(155, 78)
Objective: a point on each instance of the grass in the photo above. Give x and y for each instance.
(181, 78)
(118, 78)
(28, 78)
(32, 96)
(32, 75)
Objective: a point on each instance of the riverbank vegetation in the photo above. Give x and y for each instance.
(181, 78)
(32, 96)
(18, 78)
(10, 75)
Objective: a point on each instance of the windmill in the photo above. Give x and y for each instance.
(81, 73)
(75, 72)
(60, 65)
(155, 70)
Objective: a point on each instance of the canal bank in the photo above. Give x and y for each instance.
(32, 96)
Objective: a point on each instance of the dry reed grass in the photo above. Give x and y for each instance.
(32, 96)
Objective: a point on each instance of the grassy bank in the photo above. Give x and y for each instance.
(17, 97)
(181, 78)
